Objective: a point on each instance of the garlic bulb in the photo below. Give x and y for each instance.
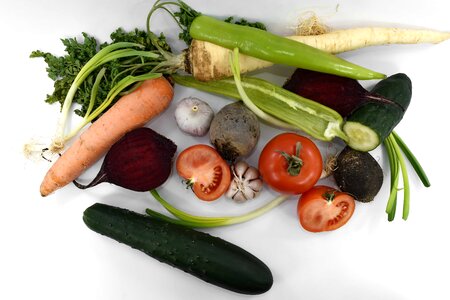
(193, 116)
(246, 183)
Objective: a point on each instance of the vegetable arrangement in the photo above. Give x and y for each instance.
(125, 84)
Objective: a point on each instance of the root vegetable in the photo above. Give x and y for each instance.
(277, 49)
(131, 111)
(256, 42)
(234, 131)
(358, 174)
(208, 61)
(342, 94)
(140, 161)
(370, 116)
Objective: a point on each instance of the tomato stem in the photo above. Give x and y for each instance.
(295, 163)
(189, 183)
(329, 195)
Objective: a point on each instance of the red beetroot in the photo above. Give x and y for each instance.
(339, 93)
(140, 161)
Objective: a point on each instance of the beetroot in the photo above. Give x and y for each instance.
(140, 161)
(339, 93)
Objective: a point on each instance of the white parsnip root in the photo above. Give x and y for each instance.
(351, 39)
(208, 61)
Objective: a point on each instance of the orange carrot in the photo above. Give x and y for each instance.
(132, 111)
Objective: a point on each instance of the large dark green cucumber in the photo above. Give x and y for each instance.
(207, 257)
(369, 125)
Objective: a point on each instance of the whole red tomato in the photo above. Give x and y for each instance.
(290, 163)
(323, 208)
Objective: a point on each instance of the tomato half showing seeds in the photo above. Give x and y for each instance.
(290, 163)
(205, 170)
(323, 208)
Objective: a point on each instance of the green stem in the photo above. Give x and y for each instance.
(397, 163)
(94, 91)
(119, 87)
(406, 190)
(206, 222)
(412, 159)
(235, 68)
(104, 55)
(394, 167)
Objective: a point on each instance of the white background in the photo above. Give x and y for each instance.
(47, 252)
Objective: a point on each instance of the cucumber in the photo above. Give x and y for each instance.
(370, 124)
(209, 258)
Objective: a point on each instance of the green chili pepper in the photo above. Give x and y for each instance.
(276, 49)
(313, 118)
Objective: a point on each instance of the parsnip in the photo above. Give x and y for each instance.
(206, 61)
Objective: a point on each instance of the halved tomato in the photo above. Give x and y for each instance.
(323, 208)
(205, 171)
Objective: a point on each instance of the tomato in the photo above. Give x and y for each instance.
(205, 171)
(290, 163)
(323, 208)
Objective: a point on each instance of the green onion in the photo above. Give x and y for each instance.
(107, 54)
(116, 90)
(412, 159)
(189, 220)
(395, 148)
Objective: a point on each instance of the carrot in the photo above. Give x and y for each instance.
(207, 61)
(131, 111)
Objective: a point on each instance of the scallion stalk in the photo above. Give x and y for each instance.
(412, 159)
(396, 148)
(189, 220)
(105, 55)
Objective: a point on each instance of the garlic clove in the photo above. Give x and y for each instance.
(256, 185)
(246, 183)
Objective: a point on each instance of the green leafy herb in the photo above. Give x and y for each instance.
(186, 15)
(64, 69)
(244, 22)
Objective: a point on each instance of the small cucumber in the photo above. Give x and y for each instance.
(209, 258)
(370, 124)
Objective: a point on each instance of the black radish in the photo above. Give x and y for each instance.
(358, 174)
(140, 161)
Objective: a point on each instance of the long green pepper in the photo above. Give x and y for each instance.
(276, 49)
